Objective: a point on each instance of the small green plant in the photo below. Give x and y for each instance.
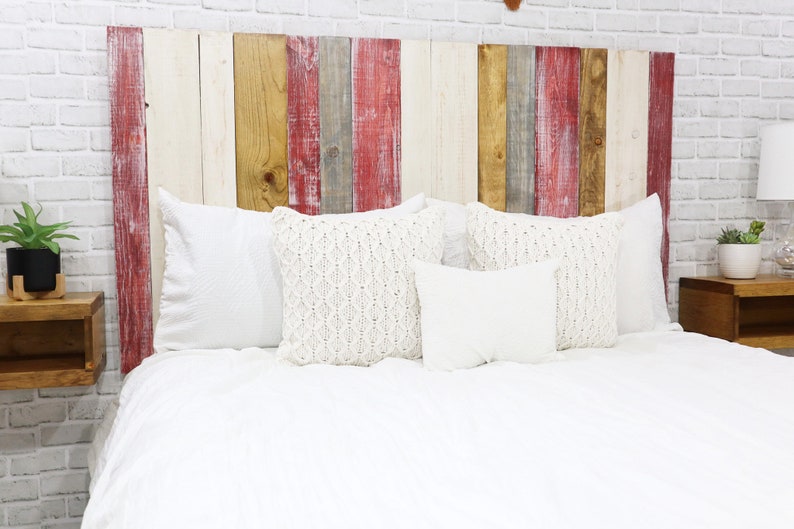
(734, 236)
(29, 234)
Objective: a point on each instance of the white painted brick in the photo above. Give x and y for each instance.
(67, 434)
(786, 111)
(13, 139)
(759, 109)
(230, 5)
(86, 165)
(11, 89)
(593, 4)
(77, 505)
(698, 87)
(777, 89)
(11, 39)
(477, 12)
(719, 149)
(64, 483)
(526, 18)
(38, 11)
(738, 129)
(425, 9)
(736, 210)
(741, 87)
(35, 414)
(78, 456)
(696, 252)
(684, 191)
(336, 9)
(96, 263)
(700, 46)
(778, 7)
(385, 8)
(271, 24)
(700, 6)
(741, 47)
(55, 39)
(685, 66)
(62, 189)
(21, 514)
(142, 16)
(681, 232)
(287, 7)
(201, 20)
(454, 33)
(359, 29)
(756, 68)
(686, 108)
(109, 382)
(52, 508)
(720, 108)
(778, 48)
(30, 165)
(660, 5)
(697, 169)
(58, 139)
(741, 6)
(56, 86)
(684, 149)
(96, 39)
(82, 63)
(719, 190)
(696, 211)
(766, 27)
(13, 192)
(617, 22)
(721, 67)
(16, 396)
(88, 407)
(572, 20)
(73, 391)
(18, 489)
(729, 25)
(100, 140)
(13, 13)
(95, 14)
(597, 40)
(679, 24)
(697, 129)
(738, 170)
(85, 115)
(177, 2)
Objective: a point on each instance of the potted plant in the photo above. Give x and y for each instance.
(37, 258)
(739, 252)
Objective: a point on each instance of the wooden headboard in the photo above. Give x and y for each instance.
(333, 124)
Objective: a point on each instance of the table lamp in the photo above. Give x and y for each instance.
(776, 182)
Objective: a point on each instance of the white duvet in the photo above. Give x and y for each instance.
(667, 430)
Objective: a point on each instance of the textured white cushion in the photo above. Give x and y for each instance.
(222, 284)
(349, 291)
(456, 251)
(470, 318)
(587, 251)
(641, 301)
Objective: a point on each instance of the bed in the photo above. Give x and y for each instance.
(414, 357)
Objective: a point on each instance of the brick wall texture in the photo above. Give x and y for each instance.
(734, 73)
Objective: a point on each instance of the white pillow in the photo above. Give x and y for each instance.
(641, 300)
(470, 318)
(587, 250)
(456, 251)
(349, 291)
(222, 283)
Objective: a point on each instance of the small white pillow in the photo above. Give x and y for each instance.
(641, 302)
(222, 283)
(349, 291)
(470, 318)
(456, 251)
(587, 251)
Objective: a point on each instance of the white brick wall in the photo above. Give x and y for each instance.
(735, 72)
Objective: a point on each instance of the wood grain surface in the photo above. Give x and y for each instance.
(492, 125)
(592, 130)
(417, 118)
(303, 123)
(260, 99)
(520, 150)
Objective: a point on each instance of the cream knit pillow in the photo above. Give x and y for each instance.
(349, 290)
(586, 248)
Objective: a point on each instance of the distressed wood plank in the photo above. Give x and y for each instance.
(130, 193)
(557, 132)
(336, 132)
(627, 129)
(417, 147)
(592, 130)
(303, 118)
(216, 70)
(173, 130)
(660, 138)
(376, 123)
(492, 125)
(520, 162)
(454, 100)
(260, 97)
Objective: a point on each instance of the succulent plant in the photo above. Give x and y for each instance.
(735, 236)
(29, 234)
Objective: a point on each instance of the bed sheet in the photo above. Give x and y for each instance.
(665, 430)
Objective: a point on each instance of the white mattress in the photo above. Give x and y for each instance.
(666, 430)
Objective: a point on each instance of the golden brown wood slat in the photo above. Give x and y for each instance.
(708, 312)
(75, 305)
(592, 130)
(260, 95)
(492, 125)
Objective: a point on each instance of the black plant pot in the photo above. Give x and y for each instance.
(37, 266)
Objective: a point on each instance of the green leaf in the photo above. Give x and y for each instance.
(52, 245)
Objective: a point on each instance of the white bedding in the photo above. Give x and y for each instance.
(666, 430)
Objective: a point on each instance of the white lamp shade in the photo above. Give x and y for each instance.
(776, 166)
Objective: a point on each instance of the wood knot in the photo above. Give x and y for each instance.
(269, 177)
(598, 140)
(333, 151)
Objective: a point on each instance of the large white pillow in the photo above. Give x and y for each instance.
(641, 302)
(586, 248)
(349, 291)
(222, 283)
(456, 251)
(470, 318)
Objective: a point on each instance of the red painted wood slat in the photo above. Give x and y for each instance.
(303, 123)
(557, 131)
(130, 193)
(376, 123)
(660, 138)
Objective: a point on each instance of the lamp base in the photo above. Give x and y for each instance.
(785, 272)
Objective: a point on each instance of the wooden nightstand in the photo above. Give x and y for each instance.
(757, 312)
(55, 342)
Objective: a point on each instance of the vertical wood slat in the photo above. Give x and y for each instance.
(492, 125)
(627, 129)
(416, 126)
(592, 130)
(376, 123)
(216, 71)
(520, 161)
(336, 132)
(173, 130)
(557, 131)
(130, 193)
(660, 138)
(260, 98)
(303, 123)
(454, 127)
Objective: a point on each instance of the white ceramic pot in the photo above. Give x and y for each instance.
(739, 261)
